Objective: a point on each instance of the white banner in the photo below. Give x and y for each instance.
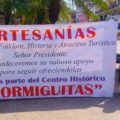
(71, 60)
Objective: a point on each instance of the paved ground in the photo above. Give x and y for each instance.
(62, 109)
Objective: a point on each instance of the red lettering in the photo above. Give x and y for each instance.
(16, 91)
(91, 31)
(14, 34)
(37, 91)
(48, 35)
(28, 91)
(79, 33)
(53, 90)
(63, 90)
(36, 34)
(45, 91)
(70, 89)
(3, 35)
(79, 90)
(89, 90)
(5, 92)
(69, 31)
(24, 34)
(58, 33)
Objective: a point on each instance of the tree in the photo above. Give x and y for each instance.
(54, 9)
(31, 11)
(42, 11)
(6, 7)
(45, 11)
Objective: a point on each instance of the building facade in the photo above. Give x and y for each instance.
(112, 13)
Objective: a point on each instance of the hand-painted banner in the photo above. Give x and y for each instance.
(70, 60)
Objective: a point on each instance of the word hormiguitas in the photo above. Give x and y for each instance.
(45, 91)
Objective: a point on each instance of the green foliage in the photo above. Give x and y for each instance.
(89, 13)
(43, 11)
(64, 12)
(101, 4)
(6, 6)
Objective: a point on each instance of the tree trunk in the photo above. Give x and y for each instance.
(7, 18)
(40, 16)
(54, 9)
(7, 10)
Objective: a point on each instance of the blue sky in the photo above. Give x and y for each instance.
(69, 3)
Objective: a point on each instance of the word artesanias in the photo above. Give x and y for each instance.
(47, 34)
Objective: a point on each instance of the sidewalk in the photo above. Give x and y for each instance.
(61, 109)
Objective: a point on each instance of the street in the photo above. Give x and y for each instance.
(61, 109)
